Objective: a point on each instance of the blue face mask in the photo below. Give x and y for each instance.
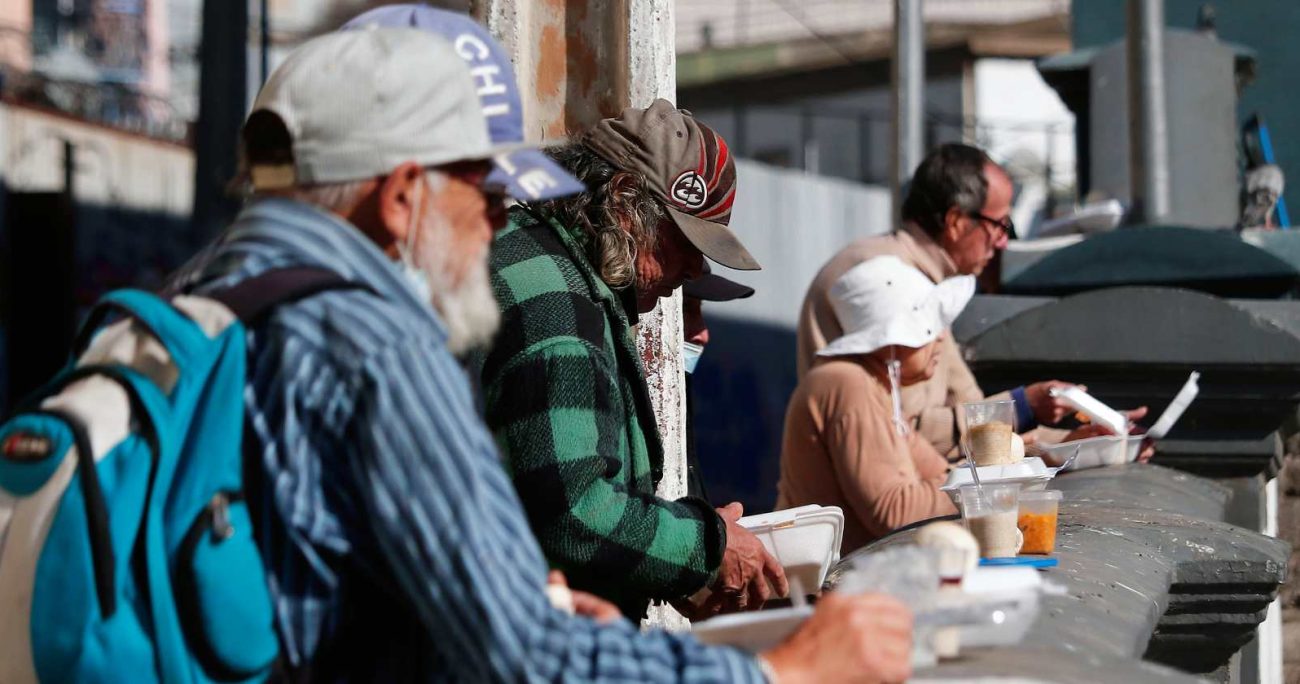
(415, 276)
(691, 354)
(418, 281)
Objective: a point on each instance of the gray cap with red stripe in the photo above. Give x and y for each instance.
(687, 166)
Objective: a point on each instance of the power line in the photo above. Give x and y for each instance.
(825, 40)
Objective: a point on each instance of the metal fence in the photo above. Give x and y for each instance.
(855, 145)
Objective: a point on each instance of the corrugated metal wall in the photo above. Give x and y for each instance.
(792, 222)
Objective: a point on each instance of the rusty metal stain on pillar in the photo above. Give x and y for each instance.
(579, 61)
(577, 75)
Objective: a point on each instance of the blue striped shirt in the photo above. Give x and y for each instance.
(396, 547)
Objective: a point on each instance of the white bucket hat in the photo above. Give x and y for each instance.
(883, 302)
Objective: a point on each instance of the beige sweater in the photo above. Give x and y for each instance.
(932, 404)
(841, 449)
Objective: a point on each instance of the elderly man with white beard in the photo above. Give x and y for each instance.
(360, 418)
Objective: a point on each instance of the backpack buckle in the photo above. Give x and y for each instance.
(221, 527)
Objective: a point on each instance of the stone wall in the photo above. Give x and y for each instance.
(1154, 584)
(1288, 528)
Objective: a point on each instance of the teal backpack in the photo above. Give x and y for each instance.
(126, 544)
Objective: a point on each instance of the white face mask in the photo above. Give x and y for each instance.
(896, 393)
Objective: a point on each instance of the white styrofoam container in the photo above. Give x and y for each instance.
(1175, 410)
(1021, 587)
(805, 540)
(752, 632)
(1099, 451)
(1096, 411)
(1030, 473)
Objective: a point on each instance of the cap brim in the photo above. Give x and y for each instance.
(527, 174)
(715, 240)
(712, 287)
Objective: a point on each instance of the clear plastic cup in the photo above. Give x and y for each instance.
(1038, 518)
(989, 426)
(990, 514)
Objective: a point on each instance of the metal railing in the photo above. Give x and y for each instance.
(855, 145)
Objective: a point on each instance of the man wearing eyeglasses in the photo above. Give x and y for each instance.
(956, 217)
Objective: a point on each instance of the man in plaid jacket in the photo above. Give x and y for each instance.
(564, 387)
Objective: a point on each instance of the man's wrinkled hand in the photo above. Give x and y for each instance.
(1087, 432)
(586, 604)
(748, 573)
(1148, 448)
(848, 639)
(1048, 410)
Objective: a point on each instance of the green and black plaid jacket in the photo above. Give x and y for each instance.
(565, 396)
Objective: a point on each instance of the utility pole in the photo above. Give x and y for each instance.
(578, 62)
(1148, 121)
(223, 93)
(264, 33)
(70, 171)
(908, 96)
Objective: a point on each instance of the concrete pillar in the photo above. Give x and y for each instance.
(1270, 632)
(1254, 506)
(1148, 120)
(579, 61)
(571, 59)
(908, 95)
(223, 92)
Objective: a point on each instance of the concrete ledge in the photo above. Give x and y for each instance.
(1150, 572)
(1148, 488)
(1049, 665)
(1135, 346)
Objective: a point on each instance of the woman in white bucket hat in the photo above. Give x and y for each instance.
(846, 442)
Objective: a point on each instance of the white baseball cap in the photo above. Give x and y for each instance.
(357, 104)
(883, 302)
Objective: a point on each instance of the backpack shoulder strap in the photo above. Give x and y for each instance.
(250, 300)
(254, 297)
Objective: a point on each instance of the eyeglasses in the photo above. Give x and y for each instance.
(473, 173)
(1006, 225)
(477, 174)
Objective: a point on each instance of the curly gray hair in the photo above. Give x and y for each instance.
(617, 217)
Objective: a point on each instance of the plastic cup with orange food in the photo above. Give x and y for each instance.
(1037, 521)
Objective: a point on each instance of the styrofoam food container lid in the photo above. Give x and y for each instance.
(752, 632)
(1030, 473)
(804, 540)
(1030, 468)
(1175, 410)
(1095, 410)
(1021, 585)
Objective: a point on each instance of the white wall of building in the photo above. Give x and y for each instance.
(793, 222)
(1023, 124)
(113, 168)
(749, 22)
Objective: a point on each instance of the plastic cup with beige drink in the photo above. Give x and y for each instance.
(990, 513)
(989, 426)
